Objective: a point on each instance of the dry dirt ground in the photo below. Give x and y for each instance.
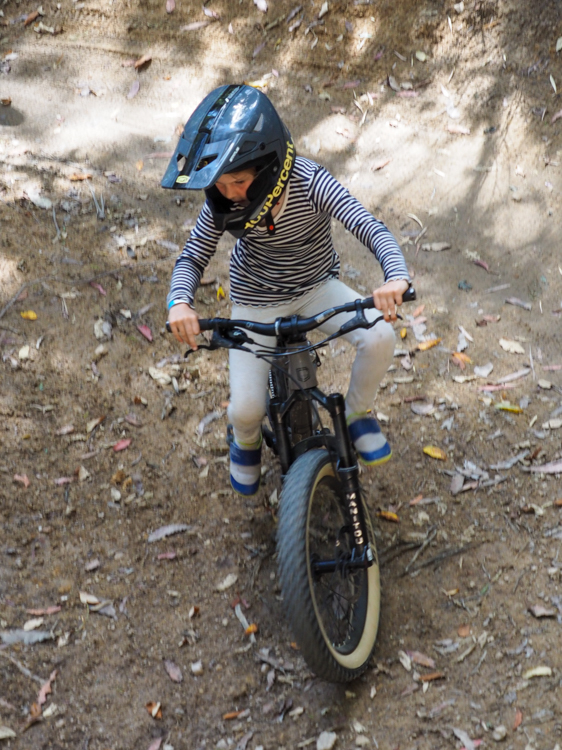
(76, 514)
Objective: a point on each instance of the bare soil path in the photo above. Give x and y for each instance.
(442, 120)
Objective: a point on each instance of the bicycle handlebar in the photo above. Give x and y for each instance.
(293, 324)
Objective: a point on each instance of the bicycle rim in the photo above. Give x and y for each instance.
(346, 608)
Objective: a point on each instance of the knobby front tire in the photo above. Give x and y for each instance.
(334, 616)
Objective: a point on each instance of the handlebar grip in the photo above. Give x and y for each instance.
(203, 325)
(409, 295)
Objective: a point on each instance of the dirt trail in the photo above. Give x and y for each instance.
(357, 98)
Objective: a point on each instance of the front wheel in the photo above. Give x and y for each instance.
(332, 610)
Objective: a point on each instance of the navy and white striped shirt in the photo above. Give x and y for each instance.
(273, 269)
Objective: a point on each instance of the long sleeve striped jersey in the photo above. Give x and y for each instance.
(273, 269)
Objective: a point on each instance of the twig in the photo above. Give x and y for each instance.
(100, 208)
(446, 554)
(433, 533)
(55, 220)
(395, 550)
(23, 669)
(519, 581)
(12, 330)
(531, 361)
(480, 661)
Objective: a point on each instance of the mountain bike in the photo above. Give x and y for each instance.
(328, 564)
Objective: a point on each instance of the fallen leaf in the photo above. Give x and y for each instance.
(80, 177)
(251, 629)
(482, 264)
(154, 709)
(537, 610)
(174, 672)
(388, 515)
(31, 17)
(517, 720)
(167, 556)
(537, 672)
(519, 303)
(142, 61)
(220, 293)
(6, 733)
(403, 333)
(434, 452)
(164, 531)
(139, 165)
(484, 371)
(99, 287)
(463, 631)
(195, 26)
(29, 315)
(507, 406)
(418, 658)
(121, 445)
(458, 129)
(46, 688)
(146, 332)
(436, 247)
(513, 347)
(463, 357)
(380, 165)
(6, 103)
(86, 598)
(33, 624)
(423, 346)
(210, 13)
(432, 676)
(422, 408)
(230, 715)
(134, 90)
(48, 611)
(229, 581)
(94, 423)
(23, 479)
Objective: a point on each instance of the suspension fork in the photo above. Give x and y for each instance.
(348, 473)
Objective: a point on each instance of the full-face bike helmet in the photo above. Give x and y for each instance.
(234, 128)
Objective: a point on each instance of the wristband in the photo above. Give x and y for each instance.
(173, 302)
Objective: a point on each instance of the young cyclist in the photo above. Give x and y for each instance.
(279, 207)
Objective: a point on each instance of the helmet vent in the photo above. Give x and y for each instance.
(259, 124)
(205, 162)
(181, 162)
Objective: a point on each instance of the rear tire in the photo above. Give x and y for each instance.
(334, 616)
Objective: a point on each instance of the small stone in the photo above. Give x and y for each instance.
(197, 668)
(499, 733)
(83, 474)
(326, 741)
(115, 494)
(544, 384)
(362, 741)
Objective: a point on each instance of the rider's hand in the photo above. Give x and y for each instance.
(184, 323)
(388, 297)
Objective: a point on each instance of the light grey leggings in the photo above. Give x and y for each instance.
(248, 375)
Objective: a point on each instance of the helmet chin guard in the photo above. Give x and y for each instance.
(233, 129)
